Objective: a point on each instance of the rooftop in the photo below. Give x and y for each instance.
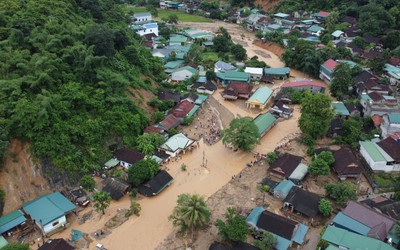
(394, 118)
(48, 207)
(391, 147)
(11, 220)
(349, 240)
(330, 64)
(156, 184)
(303, 201)
(284, 186)
(277, 71)
(372, 150)
(261, 95)
(286, 164)
(264, 122)
(346, 163)
(277, 224)
(178, 141)
(303, 83)
(340, 108)
(129, 155)
(170, 122)
(252, 70)
(380, 224)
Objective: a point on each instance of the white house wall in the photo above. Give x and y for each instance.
(49, 226)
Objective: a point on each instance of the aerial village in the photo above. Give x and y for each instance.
(275, 187)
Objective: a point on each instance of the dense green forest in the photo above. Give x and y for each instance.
(65, 71)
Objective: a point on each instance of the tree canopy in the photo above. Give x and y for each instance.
(242, 133)
(234, 228)
(342, 80)
(316, 114)
(325, 207)
(142, 171)
(190, 213)
(101, 200)
(341, 192)
(65, 68)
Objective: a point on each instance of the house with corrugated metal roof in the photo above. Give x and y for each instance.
(264, 123)
(49, 211)
(176, 144)
(278, 73)
(383, 155)
(141, 18)
(287, 232)
(283, 189)
(343, 239)
(260, 98)
(227, 77)
(12, 220)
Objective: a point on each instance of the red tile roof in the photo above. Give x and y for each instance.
(330, 64)
(170, 122)
(182, 109)
(375, 96)
(324, 13)
(240, 88)
(152, 129)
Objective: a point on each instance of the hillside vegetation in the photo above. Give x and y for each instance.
(65, 68)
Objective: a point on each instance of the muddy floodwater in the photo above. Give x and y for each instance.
(150, 228)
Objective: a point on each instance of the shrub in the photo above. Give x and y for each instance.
(272, 157)
(183, 167)
(88, 183)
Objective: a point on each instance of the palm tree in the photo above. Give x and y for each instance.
(191, 212)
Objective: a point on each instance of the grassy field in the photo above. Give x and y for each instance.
(210, 56)
(182, 17)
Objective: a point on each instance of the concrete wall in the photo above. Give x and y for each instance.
(374, 165)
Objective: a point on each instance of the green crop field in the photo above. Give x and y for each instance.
(182, 17)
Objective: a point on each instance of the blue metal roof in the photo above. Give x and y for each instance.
(346, 222)
(253, 217)
(48, 207)
(11, 220)
(150, 25)
(284, 186)
(300, 234)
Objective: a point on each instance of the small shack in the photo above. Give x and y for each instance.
(154, 186)
(12, 220)
(117, 188)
